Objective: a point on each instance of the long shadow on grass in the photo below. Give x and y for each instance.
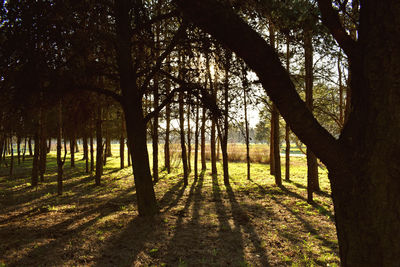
(298, 185)
(230, 240)
(241, 220)
(307, 226)
(62, 234)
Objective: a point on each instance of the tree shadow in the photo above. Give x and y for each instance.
(241, 220)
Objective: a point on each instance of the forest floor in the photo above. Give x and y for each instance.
(249, 223)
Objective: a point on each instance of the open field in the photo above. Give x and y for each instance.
(250, 223)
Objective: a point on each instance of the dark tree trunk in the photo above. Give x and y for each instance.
(30, 146)
(60, 162)
(277, 156)
(108, 145)
(72, 149)
(203, 140)
(167, 159)
(19, 149)
(122, 143)
(129, 155)
(312, 166)
(182, 138)
(86, 151)
(91, 152)
(246, 123)
(287, 127)
(132, 105)
(189, 137)
(49, 146)
(43, 146)
(24, 153)
(99, 147)
(196, 142)
(155, 132)
(272, 145)
(12, 157)
(35, 162)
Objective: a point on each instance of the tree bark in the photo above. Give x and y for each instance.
(312, 165)
(287, 127)
(189, 137)
(99, 147)
(277, 156)
(247, 138)
(132, 105)
(203, 140)
(35, 162)
(43, 145)
(196, 142)
(182, 138)
(167, 159)
(60, 162)
(11, 157)
(72, 149)
(122, 143)
(155, 131)
(30, 146)
(19, 149)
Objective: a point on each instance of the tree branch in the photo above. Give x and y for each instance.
(160, 59)
(227, 27)
(330, 19)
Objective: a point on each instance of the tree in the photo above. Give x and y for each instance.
(363, 168)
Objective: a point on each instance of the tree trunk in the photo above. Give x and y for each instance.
(189, 137)
(246, 124)
(182, 138)
(132, 105)
(19, 149)
(35, 162)
(155, 132)
(277, 156)
(86, 150)
(122, 143)
(12, 157)
(30, 146)
(60, 162)
(43, 146)
(24, 153)
(196, 142)
(49, 146)
(99, 147)
(108, 145)
(72, 149)
(287, 127)
(91, 152)
(312, 166)
(203, 140)
(272, 146)
(167, 159)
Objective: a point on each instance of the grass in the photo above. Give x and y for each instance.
(249, 223)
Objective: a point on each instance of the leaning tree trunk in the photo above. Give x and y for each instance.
(363, 163)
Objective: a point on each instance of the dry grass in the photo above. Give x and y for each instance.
(259, 153)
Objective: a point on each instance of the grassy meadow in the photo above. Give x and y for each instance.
(249, 223)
